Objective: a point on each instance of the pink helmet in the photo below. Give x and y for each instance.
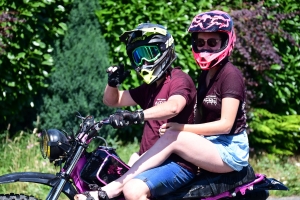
(212, 21)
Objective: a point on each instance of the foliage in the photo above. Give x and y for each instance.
(6, 17)
(26, 61)
(268, 55)
(79, 79)
(285, 81)
(277, 134)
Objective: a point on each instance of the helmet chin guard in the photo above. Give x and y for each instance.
(215, 22)
(151, 73)
(148, 76)
(207, 60)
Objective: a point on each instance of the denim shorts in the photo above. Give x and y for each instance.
(233, 149)
(165, 178)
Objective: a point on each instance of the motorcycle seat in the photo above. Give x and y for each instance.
(208, 184)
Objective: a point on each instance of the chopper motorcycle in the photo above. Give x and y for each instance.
(79, 170)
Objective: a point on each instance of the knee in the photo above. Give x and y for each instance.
(136, 189)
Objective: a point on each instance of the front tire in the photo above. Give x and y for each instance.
(12, 196)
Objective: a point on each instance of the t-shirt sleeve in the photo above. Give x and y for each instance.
(184, 86)
(137, 97)
(233, 85)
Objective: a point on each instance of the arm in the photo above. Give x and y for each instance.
(223, 126)
(166, 110)
(116, 98)
(112, 96)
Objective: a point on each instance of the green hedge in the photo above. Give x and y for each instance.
(274, 133)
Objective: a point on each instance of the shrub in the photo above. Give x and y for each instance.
(79, 76)
(277, 134)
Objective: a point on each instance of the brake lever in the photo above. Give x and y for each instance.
(98, 125)
(95, 128)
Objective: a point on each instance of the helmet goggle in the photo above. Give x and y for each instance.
(145, 53)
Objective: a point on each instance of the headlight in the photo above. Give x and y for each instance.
(53, 144)
(45, 149)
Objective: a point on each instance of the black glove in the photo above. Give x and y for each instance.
(123, 118)
(118, 76)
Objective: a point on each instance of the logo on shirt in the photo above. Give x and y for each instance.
(159, 101)
(210, 99)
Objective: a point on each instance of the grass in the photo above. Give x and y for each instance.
(22, 154)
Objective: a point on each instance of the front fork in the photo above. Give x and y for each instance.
(64, 176)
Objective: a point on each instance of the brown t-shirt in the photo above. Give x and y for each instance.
(147, 96)
(227, 82)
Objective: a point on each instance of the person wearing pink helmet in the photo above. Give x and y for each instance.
(218, 141)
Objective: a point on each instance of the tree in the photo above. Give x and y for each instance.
(32, 26)
(79, 77)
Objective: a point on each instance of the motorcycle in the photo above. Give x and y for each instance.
(80, 170)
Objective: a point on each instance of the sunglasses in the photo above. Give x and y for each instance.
(145, 53)
(212, 42)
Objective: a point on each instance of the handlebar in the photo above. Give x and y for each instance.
(100, 123)
(105, 121)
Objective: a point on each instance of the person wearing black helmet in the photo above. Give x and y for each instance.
(167, 95)
(217, 142)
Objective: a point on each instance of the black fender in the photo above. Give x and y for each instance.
(41, 178)
(270, 184)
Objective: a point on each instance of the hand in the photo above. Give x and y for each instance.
(116, 75)
(170, 126)
(123, 118)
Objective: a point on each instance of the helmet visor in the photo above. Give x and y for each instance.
(145, 53)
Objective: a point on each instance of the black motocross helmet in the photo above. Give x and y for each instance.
(153, 44)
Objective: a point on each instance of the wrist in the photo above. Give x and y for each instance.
(112, 85)
(139, 116)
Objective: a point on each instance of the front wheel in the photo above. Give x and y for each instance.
(16, 197)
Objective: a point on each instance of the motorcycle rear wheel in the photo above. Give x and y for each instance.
(12, 196)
